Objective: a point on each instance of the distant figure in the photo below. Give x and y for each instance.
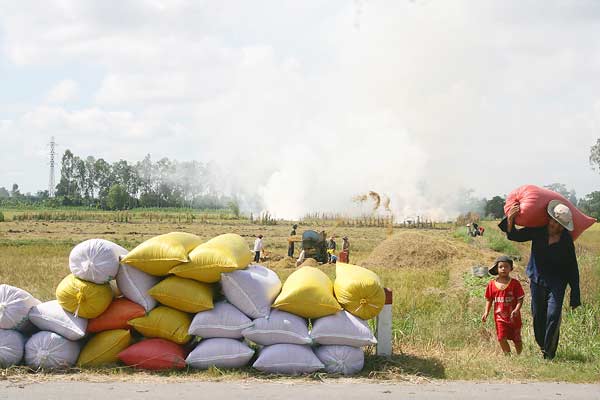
(345, 255)
(258, 247)
(331, 247)
(291, 243)
(474, 229)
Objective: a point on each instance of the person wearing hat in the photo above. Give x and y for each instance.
(258, 247)
(552, 266)
(291, 243)
(506, 294)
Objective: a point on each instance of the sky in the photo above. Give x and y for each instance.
(305, 104)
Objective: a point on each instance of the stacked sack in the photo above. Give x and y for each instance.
(167, 285)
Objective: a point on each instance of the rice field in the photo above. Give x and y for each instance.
(437, 303)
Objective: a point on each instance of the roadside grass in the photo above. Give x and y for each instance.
(438, 332)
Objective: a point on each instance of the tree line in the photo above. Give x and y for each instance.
(123, 185)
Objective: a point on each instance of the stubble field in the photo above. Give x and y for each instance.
(437, 302)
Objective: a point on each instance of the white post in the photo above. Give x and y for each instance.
(384, 327)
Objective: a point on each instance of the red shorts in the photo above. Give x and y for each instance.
(508, 331)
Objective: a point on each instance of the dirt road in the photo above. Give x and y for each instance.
(346, 390)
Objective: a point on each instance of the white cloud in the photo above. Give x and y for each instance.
(63, 92)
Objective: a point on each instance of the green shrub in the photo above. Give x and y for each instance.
(1, 217)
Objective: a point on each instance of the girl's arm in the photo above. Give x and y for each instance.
(517, 309)
(488, 307)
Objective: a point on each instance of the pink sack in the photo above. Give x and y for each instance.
(534, 200)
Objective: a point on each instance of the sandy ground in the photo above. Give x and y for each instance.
(294, 391)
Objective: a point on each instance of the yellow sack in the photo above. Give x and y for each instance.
(82, 298)
(104, 348)
(157, 255)
(358, 290)
(183, 294)
(224, 253)
(308, 292)
(164, 322)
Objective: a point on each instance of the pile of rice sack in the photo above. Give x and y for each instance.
(174, 302)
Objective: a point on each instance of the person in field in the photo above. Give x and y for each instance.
(291, 244)
(258, 247)
(506, 295)
(552, 265)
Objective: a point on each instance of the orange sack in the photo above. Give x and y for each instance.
(116, 316)
(154, 354)
(534, 200)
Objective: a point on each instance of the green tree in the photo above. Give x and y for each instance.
(65, 186)
(590, 204)
(118, 198)
(495, 207)
(595, 156)
(561, 188)
(4, 193)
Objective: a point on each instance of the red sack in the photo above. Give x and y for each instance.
(534, 201)
(116, 316)
(154, 354)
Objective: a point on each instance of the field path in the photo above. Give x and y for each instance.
(346, 389)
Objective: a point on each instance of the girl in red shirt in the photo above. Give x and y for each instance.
(507, 296)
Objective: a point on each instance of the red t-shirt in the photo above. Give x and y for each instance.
(505, 301)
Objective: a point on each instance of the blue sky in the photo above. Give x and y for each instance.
(409, 98)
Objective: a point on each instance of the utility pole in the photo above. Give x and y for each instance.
(51, 184)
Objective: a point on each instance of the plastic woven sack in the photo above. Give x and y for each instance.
(287, 359)
(96, 260)
(534, 201)
(344, 360)
(82, 298)
(134, 284)
(358, 290)
(223, 321)
(278, 328)
(251, 290)
(12, 346)
(342, 329)
(50, 316)
(183, 294)
(157, 255)
(154, 354)
(15, 304)
(220, 353)
(308, 292)
(116, 316)
(224, 253)
(47, 350)
(164, 322)
(104, 348)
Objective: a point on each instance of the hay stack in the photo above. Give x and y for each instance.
(413, 249)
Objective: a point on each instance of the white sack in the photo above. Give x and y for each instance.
(12, 345)
(134, 284)
(223, 321)
(14, 307)
(221, 353)
(342, 329)
(48, 350)
(251, 290)
(50, 316)
(287, 359)
(96, 260)
(343, 360)
(278, 328)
